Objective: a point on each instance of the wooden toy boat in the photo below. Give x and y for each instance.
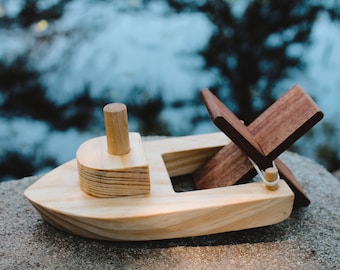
(127, 194)
(162, 213)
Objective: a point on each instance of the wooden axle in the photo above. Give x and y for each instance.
(271, 175)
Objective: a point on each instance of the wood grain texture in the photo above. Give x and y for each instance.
(104, 175)
(162, 213)
(263, 140)
(285, 121)
(228, 123)
(301, 198)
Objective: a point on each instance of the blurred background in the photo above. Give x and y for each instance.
(61, 61)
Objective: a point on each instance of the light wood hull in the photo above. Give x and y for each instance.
(163, 213)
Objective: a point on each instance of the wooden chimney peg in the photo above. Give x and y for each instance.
(115, 164)
(117, 130)
(263, 140)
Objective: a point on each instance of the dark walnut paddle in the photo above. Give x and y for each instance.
(263, 140)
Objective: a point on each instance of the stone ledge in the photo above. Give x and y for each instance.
(309, 239)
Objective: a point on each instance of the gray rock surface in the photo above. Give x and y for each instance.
(309, 239)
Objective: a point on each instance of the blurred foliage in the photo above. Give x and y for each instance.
(329, 154)
(248, 51)
(31, 12)
(328, 151)
(23, 95)
(16, 165)
(146, 110)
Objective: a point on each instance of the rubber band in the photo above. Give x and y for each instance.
(271, 184)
